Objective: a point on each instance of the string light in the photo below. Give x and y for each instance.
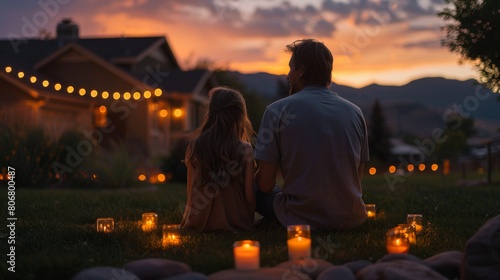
(158, 92)
(102, 109)
(93, 93)
(178, 113)
(163, 113)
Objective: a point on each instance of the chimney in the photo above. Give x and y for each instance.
(67, 30)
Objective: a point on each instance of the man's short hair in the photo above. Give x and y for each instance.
(315, 59)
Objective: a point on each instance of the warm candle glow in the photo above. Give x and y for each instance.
(149, 221)
(171, 235)
(415, 219)
(370, 210)
(299, 242)
(105, 225)
(246, 255)
(397, 242)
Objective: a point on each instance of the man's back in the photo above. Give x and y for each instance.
(318, 140)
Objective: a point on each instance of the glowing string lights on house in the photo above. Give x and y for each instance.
(82, 91)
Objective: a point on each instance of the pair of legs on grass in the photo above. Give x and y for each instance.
(264, 204)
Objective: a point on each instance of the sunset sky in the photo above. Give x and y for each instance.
(388, 42)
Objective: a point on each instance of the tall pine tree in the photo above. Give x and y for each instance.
(379, 134)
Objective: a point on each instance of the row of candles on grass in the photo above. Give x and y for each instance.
(149, 222)
(247, 252)
(398, 239)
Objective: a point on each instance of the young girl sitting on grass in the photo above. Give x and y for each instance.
(220, 167)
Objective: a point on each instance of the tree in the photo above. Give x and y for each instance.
(458, 129)
(475, 34)
(379, 134)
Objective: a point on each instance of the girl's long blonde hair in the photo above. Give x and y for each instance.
(219, 144)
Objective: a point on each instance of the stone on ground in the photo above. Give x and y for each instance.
(310, 267)
(337, 272)
(151, 269)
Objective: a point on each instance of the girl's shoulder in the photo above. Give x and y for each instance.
(246, 149)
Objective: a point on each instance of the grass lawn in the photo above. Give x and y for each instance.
(56, 235)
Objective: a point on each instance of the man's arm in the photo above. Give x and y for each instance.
(265, 177)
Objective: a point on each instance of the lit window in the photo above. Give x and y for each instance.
(100, 116)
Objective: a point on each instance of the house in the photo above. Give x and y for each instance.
(130, 89)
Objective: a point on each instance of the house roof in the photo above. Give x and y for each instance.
(25, 54)
(28, 55)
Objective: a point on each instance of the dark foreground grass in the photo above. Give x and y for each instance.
(56, 235)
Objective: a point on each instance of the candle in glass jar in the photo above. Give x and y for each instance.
(149, 221)
(370, 210)
(246, 255)
(105, 225)
(299, 242)
(410, 231)
(415, 219)
(397, 242)
(171, 235)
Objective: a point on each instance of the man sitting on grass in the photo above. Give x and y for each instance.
(319, 141)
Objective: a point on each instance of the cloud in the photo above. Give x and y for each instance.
(427, 44)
